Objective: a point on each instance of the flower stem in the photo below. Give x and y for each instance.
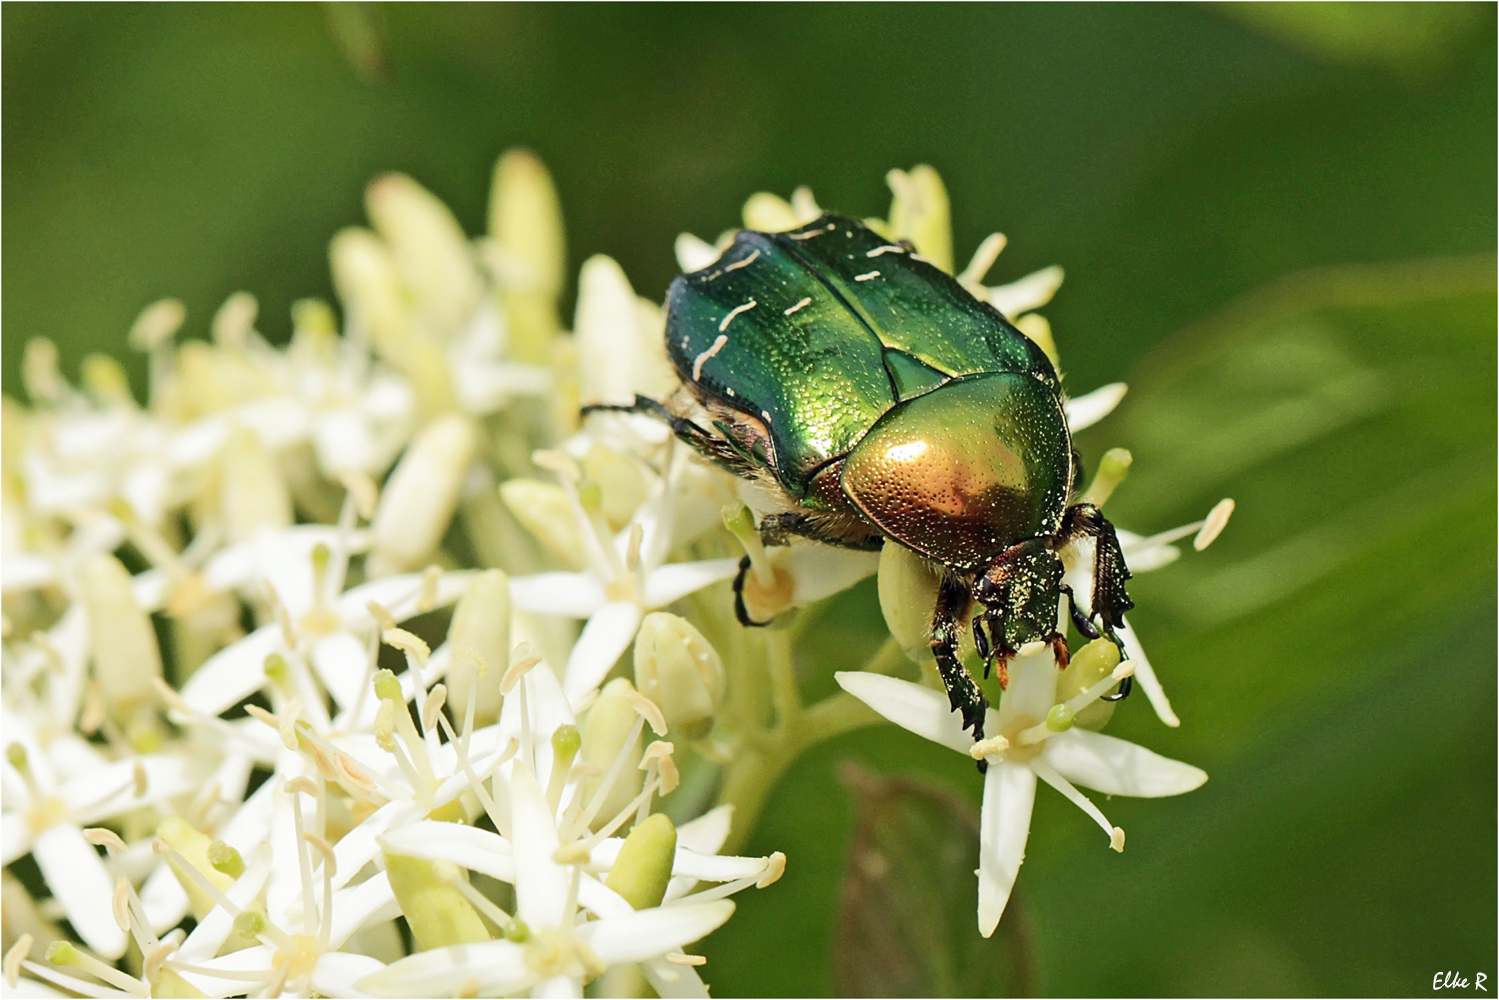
(767, 755)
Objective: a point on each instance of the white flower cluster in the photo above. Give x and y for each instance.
(235, 762)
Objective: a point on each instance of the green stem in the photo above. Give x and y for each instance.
(767, 754)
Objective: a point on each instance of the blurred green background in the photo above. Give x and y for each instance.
(1332, 657)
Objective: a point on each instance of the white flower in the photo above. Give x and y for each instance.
(1031, 736)
(626, 576)
(44, 816)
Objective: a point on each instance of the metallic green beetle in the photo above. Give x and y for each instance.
(883, 401)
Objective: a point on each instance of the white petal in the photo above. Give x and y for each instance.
(687, 862)
(401, 596)
(336, 973)
(575, 595)
(341, 662)
(1030, 292)
(675, 581)
(360, 845)
(707, 833)
(819, 571)
(465, 846)
(1032, 690)
(213, 930)
(541, 884)
(694, 253)
(163, 899)
(558, 986)
(1004, 825)
(1116, 767)
(15, 835)
(601, 900)
(232, 674)
(369, 902)
(23, 571)
(604, 638)
(1089, 408)
(650, 933)
(547, 708)
(77, 877)
(674, 981)
(498, 967)
(110, 790)
(1145, 676)
(921, 710)
(257, 958)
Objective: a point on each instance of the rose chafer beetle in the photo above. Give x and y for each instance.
(881, 401)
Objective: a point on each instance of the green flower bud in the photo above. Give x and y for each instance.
(430, 251)
(127, 661)
(252, 491)
(908, 592)
(367, 281)
(919, 212)
(525, 220)
(680, 671)
(543, 510)
(434, 908)
(419, 497)
(1088, 666)
(481, 627)
(610, 722)
(643, 868)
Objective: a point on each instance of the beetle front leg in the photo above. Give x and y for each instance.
(740, 611)
(962, 690)
(1110, 601)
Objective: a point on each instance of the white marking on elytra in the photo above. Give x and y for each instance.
(731, 392)
(815, 232)
(742, 263)
(887, 248)
(735, 312)
(766, 415)
(800, 305)
(697, 362)
(866, 277)
(924, 260)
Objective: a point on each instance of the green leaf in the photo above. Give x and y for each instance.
(906, 919)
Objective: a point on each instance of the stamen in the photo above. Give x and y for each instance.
(1077, 798)
(13, 958)
(476, 899)
(1081, 701)
(983, 259)
(679, 958)
(601, 793)
(304, 859)
(65, 954)
(1216, 521)
(741, 524)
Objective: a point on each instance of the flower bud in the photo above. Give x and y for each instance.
(1038, 329)
(544, 511)
(156, 324)
(525, 218)
(620, 350)
(429, 249)
(908, 593)
(194, 847)
(610, 722)
(39, 372)
(367, 281)
(624, 485)
(252, 492)
(481, 624)
(919, 212)
(127, 662)
(1088, 666)
(434, 908)
(235, 320)
(421, 494)
(679, 670)
(1112, 469)
(770, 213)
(642, 870)
(105, 380)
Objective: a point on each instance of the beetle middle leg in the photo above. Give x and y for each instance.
(962, 690)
